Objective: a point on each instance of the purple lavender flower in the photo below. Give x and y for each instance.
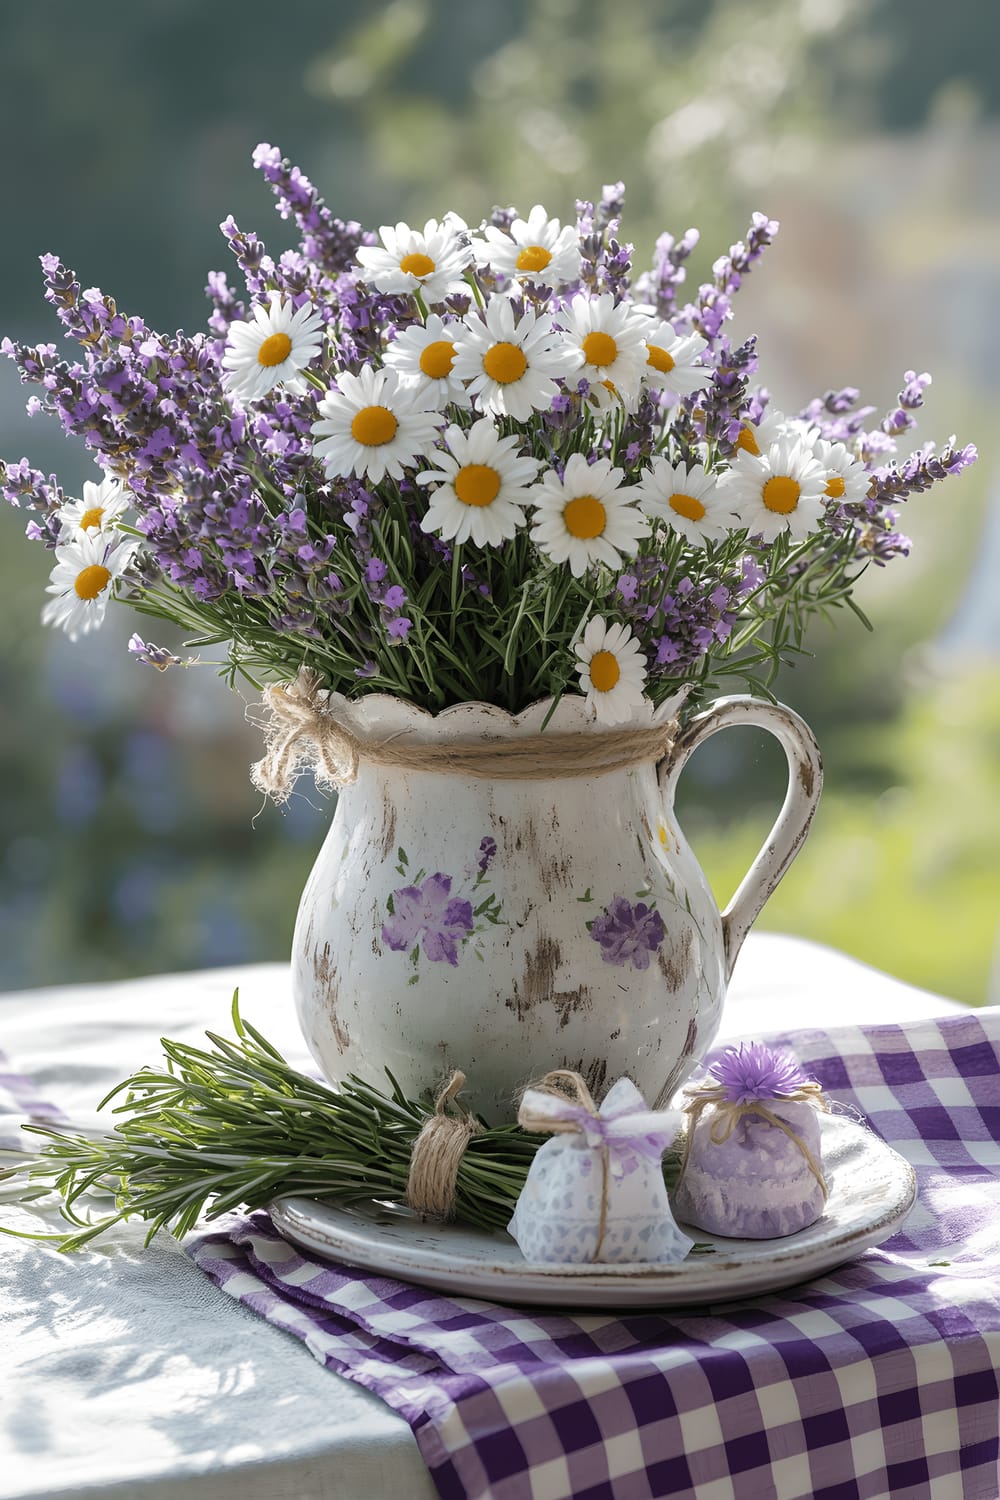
(487, 849)
(755, 1071)
(325, 239)
(659, 286)
(628, 934)
(714, 305)
(677, 620)
(156, 656)
(911, 398)
(724, 402)
(428, 914)
(606, 263)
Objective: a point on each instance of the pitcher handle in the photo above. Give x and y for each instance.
(805, 782)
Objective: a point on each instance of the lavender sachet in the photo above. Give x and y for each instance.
(753, 1166)
(595, 1192)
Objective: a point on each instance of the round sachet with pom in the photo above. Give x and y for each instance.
(752, 1167)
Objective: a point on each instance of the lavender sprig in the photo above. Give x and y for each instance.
(660, 285)
(723, 404)
(715, 297)
(326, 241)
(920, 471)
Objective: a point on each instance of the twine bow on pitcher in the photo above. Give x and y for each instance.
(561, 1104)
(301, 733)
(300, 736)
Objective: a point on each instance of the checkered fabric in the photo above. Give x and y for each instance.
(877, 1380)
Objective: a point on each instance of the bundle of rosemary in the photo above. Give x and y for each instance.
(234, 1126)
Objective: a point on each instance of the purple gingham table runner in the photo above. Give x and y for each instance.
(879, 1379)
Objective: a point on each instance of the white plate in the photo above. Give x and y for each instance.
(872, 1189)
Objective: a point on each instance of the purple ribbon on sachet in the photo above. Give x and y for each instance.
(624, 1126)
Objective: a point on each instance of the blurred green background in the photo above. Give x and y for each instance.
(132, 841)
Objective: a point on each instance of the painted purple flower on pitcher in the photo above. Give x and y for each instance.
(628, 934)
(428, 914)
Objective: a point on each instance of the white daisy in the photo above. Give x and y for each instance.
(612, 670)
(756, 438)
(423, 355)
(510, 363)
(431, 261)
(482, 486)
(689, 500)
(536, 249)
(372, 426)
(782, 489)
(607, 340)
(82, 579)
(269, 350)
(587, 516)
(672, 360)
(100, 508)
(847, 479)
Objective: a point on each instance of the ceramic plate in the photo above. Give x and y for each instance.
(872, 1189)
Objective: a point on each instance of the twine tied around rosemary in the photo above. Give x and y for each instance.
(301, 734)
(437, 1153)
(730, 1112)
(564, 1083)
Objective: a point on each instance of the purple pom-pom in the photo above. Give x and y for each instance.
(755, 1071)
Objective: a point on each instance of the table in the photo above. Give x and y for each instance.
(125, 1374)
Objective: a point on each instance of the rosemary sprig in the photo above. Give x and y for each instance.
(234, 1125)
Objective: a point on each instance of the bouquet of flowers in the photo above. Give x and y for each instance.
(451, 463)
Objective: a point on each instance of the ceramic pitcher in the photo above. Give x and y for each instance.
(509, 926)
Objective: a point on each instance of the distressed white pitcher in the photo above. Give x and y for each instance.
(508, 927)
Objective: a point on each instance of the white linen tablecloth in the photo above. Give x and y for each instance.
(125, 1374)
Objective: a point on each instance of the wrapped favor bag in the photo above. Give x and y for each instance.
(752, 1166)
(595, 1192)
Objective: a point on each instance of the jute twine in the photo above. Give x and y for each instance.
(564, 1083)
(437, 1153)
(729, 1114)
(300, 734)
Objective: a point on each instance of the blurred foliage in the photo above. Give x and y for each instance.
(131, 836)
(698, 112)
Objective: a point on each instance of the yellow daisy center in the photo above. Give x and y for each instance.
(604, 671)
(92, 518)
(600, 349)
(505, 363)
(686, 506)
(660, 359)
(585, 517)
(533, 258)
(91, 581)
(477, 484)
(274, 350)
(661, 829)
(437, 359)
(747, 441)
(373, 426)
(781, 494)
(835, 486)
(417, 264)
